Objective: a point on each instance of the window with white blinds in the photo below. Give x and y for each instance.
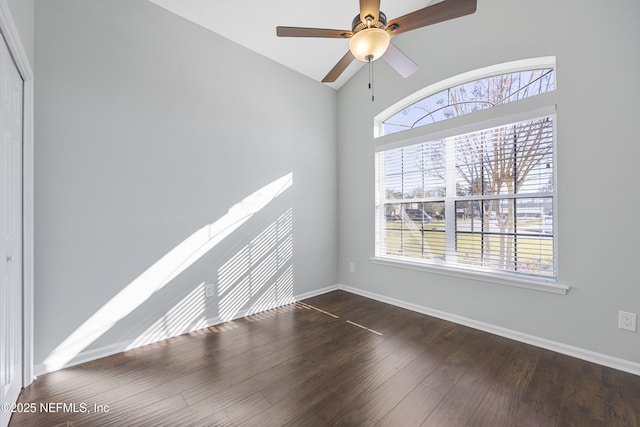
(472, 188)
(482, 200)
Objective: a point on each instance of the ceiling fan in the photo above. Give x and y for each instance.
(371, 34)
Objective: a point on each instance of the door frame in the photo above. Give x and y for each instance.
(12, 38)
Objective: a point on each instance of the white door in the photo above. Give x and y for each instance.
(11, 297)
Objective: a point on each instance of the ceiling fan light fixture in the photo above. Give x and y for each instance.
(370, 43)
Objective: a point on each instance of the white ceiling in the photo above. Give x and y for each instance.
(252, 24)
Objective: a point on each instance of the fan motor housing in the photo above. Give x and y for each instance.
(358, 25)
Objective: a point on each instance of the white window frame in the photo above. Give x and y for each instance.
(522, 110)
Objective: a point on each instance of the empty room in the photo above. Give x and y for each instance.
(304, 213)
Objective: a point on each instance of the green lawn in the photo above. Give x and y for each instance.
(534, 254)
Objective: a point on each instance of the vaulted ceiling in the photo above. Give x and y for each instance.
(252, 24)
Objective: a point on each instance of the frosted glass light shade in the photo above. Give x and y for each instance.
(369, 42)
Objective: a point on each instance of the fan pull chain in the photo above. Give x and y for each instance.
(371, 77)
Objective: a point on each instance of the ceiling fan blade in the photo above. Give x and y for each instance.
(312, 32)
(369, 8)
(399, 61)
(439, 12)
(339, 68)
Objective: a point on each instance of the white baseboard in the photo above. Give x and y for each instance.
(109, 350)
(317, 292)
(569, 350)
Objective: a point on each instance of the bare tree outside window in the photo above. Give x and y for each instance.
(471, 97)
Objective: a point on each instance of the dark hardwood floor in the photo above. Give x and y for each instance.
(336, 360)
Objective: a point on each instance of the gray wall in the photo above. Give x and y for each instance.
(149, 128)
(597, 61)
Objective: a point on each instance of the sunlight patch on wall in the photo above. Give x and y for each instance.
(163, 272)
(186, 316)
(279, 293)
(260, 274)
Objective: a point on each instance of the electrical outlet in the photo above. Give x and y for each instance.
(627, 321)
(352, 267)
(208, 290)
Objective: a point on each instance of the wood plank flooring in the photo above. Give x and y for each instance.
(336, 360)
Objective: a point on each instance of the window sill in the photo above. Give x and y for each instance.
(537, 285)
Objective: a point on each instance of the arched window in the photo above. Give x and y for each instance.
(476, 195)
(467, 93)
